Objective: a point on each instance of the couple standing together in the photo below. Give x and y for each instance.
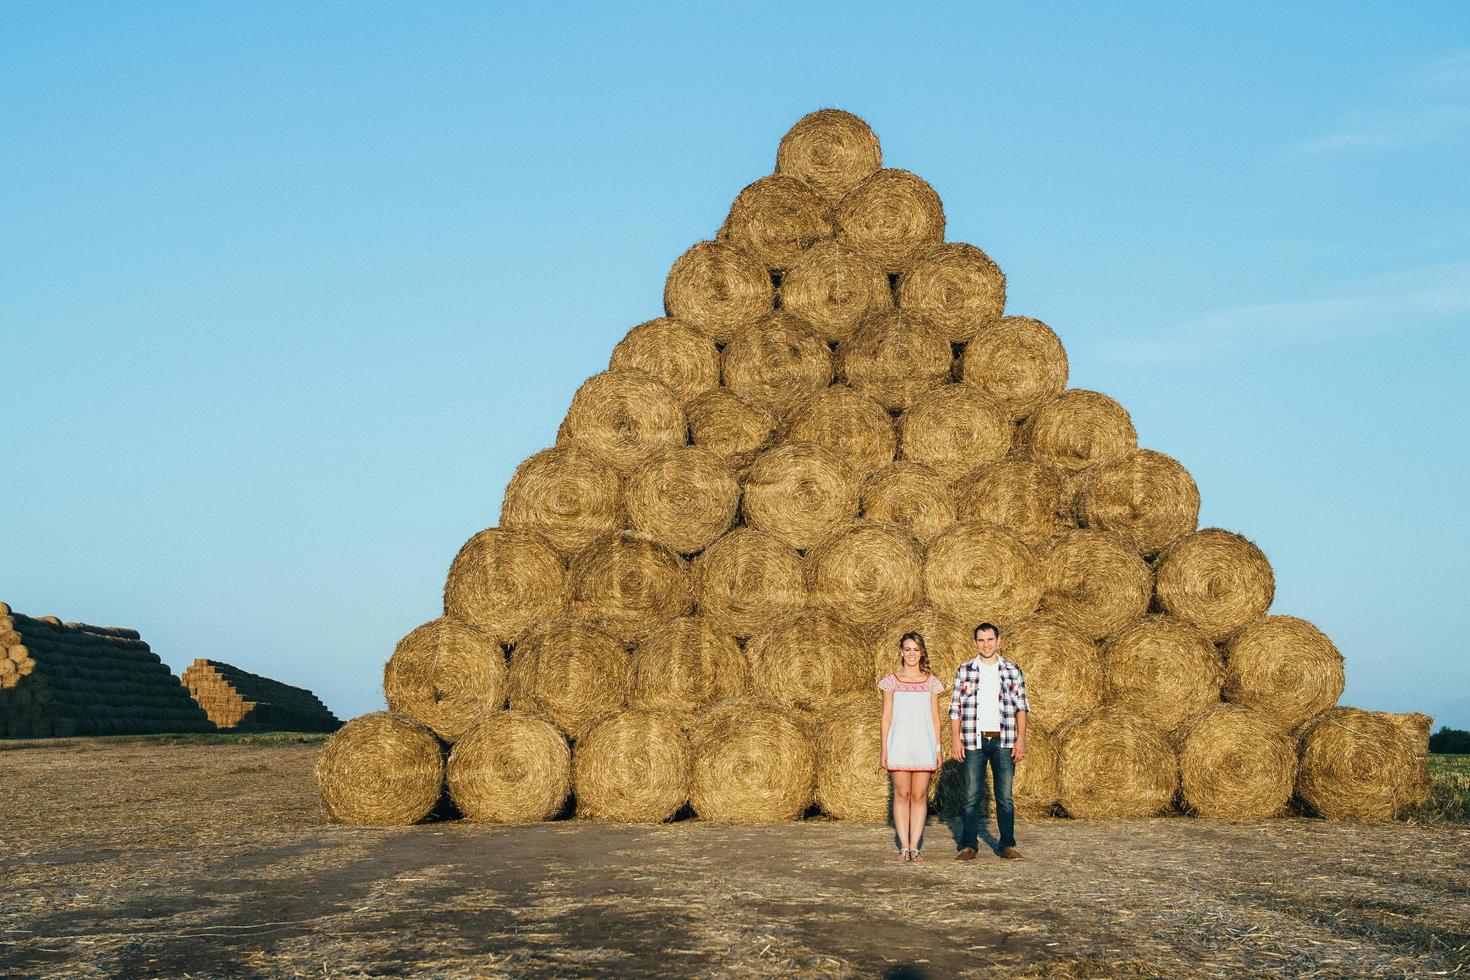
(987, 722)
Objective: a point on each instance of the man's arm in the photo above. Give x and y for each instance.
(1023, 710)
(956, 743)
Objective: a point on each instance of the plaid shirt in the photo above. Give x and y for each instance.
(963, 704)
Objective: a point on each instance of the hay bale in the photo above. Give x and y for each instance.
(632, 767)
(748, 581)
(446, 675)
(683, 499)
(851, 781)
(889, 218)
(1114, 763)
(1094, 581)
(865, 573)
(1078, 429)
(954, 429)
(1165, 670)
(625, 417)
(1065, 676)
(976, 571)
(502, 581)
(778, 360)
(775, 219)
(626, 583)
(851, 425)
(1037, 784)
(830, 151)
(685, 666)
(1414, 727)
(380, 770)
(569, 673)
(1354, 765)
(834, 289)
(1144, 495)
(799, 493)
(1283, 667)
(1236, 763)
(732, 426)
(893, 357)
(1026, 497)
(716, 287)
(675, 353)
(1018, 361)
(753, 763)
(809, 663)
(568, 494)
(956, 286)
(912, 495)
(1216, 580)
(510, 768)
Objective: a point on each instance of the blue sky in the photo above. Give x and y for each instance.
(286, 291)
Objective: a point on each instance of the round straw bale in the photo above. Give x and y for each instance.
(753, 763)
(382, 770)
(682, 498)
(1037, 783)
(809, 663)
(570, 674)
(626, 417)
(1165, 670)
(715, 287)
(632, 767)
(957, 286)
(775, 219)
(1024, 496)
(568, 494)
(865, 573)
(830, 151)
(1114, 763)
(1018, 361)
(976, 571)
(733, 427)
(851, 425)
(1216, 580)
(1354, 765)
(1144, 495)
(1414, 726)
(1094, 581)
(1078, 429)
(675, 353)
(955, 428)
(851, 782)
(834, 289)
(510, 768)
(626, 583)
(502, 581)
(1284, 667)
(894, 357)
(799, 493)
(685, 665)
(778, 360)
(889, 217)
(1064, 670)
(1236, 763)
(748, 581)
(445, 675)
(913, 495)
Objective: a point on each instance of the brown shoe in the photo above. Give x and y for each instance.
(966, 854)
(1010, 852)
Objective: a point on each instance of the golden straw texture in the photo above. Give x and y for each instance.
(632, 767)
(778, 360)
(570, 674)
(1354, 765)
(912, 495)
(1414, 727)
(503, 581)
(1037, 783)
(865, 573)
(799, 493)
(1026, 497)
(829, 150)
(715, 287)
(568, 494)
(1236, 764)
(809, 663)
(775, 219)
(748, 581)
(445, 675)
(1018, 361)
(510, 768)
(1063, 668)
(1115, 764)
(683, 499)
(626, 583)
(954, 429)
(834, 289)
(675, 353)
(1078, 429)
(1094, 581)
(753, 763)
(956, 286)
(851, 781)
(626, 417)
(893, 358)
(890, 217)
(975, 571)
(1165, 670)
(380, 770)
(851, 425)
(1216, 580)
(1144, 495)
(733, 427)
(685, 666)
(1284, 667)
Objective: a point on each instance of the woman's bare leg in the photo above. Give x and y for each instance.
(901, 783)
(918, 807)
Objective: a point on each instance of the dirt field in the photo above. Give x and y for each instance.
(169, 858)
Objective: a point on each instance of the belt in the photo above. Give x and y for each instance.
(990, 734)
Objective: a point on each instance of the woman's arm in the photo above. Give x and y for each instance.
(934, 708)
(887, 720)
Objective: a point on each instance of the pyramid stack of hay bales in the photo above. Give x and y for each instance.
(237, 699)
(835, 433)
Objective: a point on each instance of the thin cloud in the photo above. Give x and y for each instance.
(1434, 107)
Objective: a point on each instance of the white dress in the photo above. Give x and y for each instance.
(912, 741)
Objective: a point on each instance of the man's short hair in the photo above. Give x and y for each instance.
(988, 626)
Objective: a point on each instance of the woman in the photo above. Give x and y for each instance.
(911, 740)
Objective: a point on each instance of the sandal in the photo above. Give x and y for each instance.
(903, 854)
(915, 856)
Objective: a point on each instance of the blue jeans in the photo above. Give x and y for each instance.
(1002, 770)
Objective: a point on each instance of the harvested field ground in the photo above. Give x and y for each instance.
(209, 857)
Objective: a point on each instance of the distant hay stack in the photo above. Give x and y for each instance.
(1165, 670)
(1284, 667)
(748, 581)
(446, 675)
(716, 287)
(1017, 360)
(865, 573)
(1236, 763)
(1065, 677)
(954, 429)
(683, 499)
(1414, 727)
(568, 494)
(1037, 784)
(956, 286)
(851, 782)
(809, 663)
(1026, 497)
(1144, 495)
(893, 358)
(753, 763)
(626, 583)
(625, 417)
(735, 428)
(976, 571)
(1355, 765)
(685, 666)
(799, 493)
(851, 425)
(1115, 764)
(830, 151)
(1094, 581)
(1216, 580)
(778, 360)
(912, 495)
(380, 770)
(675, 353)
(775, 219)
(949, 641)
(1078, 429)
(570, 674)
(510, 768)
(632, 767)
(834, 289)
(503, 581)
(889, 218)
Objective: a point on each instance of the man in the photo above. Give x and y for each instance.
(987, 723)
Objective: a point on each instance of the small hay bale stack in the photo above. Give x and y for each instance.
(834, 289)
(569, 495)
(569, 673)
(1283, 667)
(675, 353)
(632, 767)
(1115, 764)
(956, 286)
(749, 581)
(912, 495)
(799, 493)
(778, 360)
(1037, 784)
(1165, 670)
(1236, 763)
(1216, 580)
(735, 428)
(808, 663)
(955, 429)
(715, 287)
(1095, 581)
(446, 675)
(626, 583)
(685, 666)
(893, 357)
(775, 219)
(1414, 726)
(1078, 429)
(865, 573)
(753, 763)
(510, 768)
(1026, 497)
(1065, 677)
(851, 425)
(625, 417)
(889, 218)
(851, 781)
(254, 702)
(1354, 765)
(502, 581)
(1146, 496)
(380, 770)
(831, 151)
(683, 499)
(977, 571)
(949, 642)
(1018, 361)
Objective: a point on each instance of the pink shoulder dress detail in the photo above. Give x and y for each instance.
(912, 741)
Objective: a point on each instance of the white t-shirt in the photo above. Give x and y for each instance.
(987, 697)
